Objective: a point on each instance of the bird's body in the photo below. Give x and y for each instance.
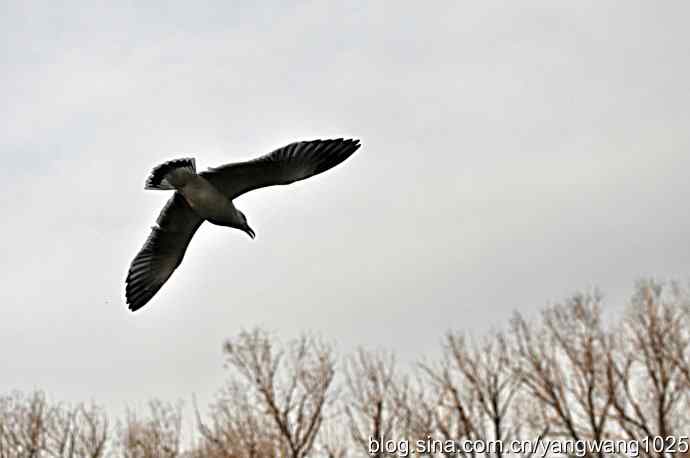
(208, 196)
(209, 203)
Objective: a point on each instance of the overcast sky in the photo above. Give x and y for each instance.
(513, 153)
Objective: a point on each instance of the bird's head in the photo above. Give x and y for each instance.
(245, 226)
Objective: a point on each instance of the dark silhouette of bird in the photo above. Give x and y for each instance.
(208, 196)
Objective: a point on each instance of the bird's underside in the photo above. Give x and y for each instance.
(208, 196)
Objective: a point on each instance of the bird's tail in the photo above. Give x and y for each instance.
(171, 174)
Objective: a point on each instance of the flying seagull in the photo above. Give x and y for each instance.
(208, 196)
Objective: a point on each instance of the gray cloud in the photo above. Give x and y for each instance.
(511, 155)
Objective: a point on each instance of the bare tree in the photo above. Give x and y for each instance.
(333, 439)
(563, 365)
(477, 396)
(290, 386)
(238, 427)
(31, 427)
(376, 400)
(565, 377)
(23, 425)
(156, 436)
(91, 424)
(78, 431)
(649, 375)
(419, 404)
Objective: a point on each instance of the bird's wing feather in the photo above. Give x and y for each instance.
(285, 165)
(162, 252)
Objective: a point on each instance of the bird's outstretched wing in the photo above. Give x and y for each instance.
(285, 165)
(162, 252)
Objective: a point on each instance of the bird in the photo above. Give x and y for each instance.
(208, 196)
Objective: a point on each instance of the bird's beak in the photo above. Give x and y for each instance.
(250, 232)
